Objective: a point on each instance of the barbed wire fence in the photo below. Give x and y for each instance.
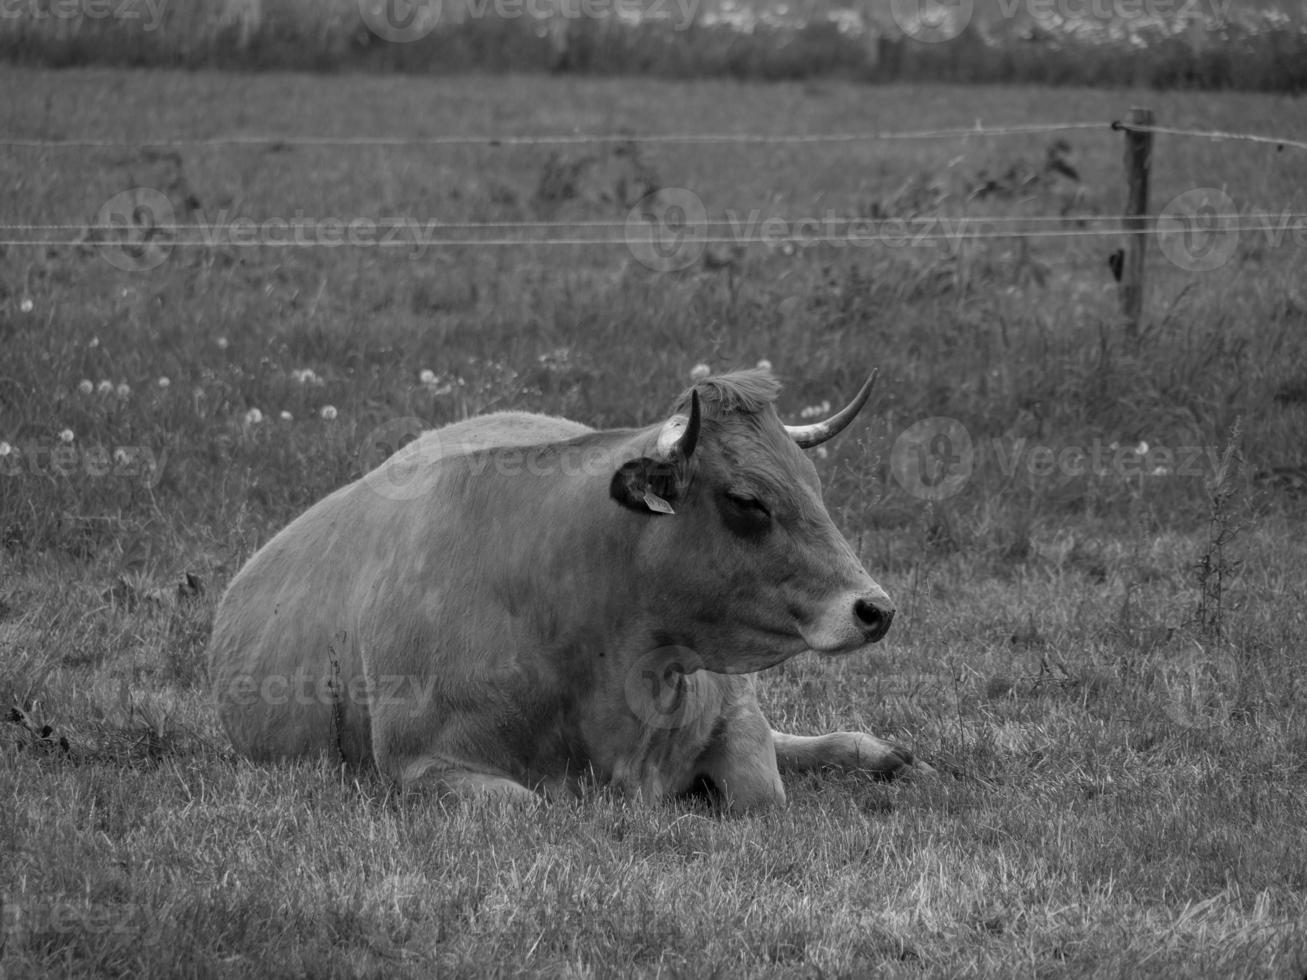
(1135, 226)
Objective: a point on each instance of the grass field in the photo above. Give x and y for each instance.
(1105, 664)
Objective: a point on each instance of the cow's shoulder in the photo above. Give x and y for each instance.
(498, 429)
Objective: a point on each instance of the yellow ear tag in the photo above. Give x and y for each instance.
(656, 503)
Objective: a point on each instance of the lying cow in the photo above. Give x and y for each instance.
(516, 603)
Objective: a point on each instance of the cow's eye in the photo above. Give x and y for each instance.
(748, 504)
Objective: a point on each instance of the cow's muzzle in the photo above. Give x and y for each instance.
(874, 614)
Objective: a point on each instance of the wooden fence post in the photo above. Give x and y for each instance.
(1138, 163)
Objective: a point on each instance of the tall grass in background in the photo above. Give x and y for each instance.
(1261, 50)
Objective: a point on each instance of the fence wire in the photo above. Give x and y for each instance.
(919, 230)
(681, 238)
(566, 139)
(559, 139)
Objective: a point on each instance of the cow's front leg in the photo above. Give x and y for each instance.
(855, 751)
(433, 775)
(741, 759)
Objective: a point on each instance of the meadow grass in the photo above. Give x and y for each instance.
(1105, 667)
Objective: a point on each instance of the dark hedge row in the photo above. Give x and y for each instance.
(1269, 58)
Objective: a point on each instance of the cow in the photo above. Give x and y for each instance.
(519, 606)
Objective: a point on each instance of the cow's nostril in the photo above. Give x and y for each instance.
(874, 616)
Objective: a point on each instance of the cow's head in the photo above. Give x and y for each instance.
(738, 557)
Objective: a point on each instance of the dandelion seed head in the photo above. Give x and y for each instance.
(66, 436)
(329, 413)
(699, 372)
(86, 386)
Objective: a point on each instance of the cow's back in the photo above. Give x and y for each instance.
(287, 654)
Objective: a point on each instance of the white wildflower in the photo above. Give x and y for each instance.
(253, 417)
(765, 364)
(285, 416)
(66, 435)
(26, 305)
(86, 386)
(329, 413)
(5, 449)
(164, 382)
(222, 343)
(124, 390)
(105, 387)
(427, 376)
(699, 372)
(1142, 448)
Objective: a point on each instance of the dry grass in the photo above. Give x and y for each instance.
(1126, 746)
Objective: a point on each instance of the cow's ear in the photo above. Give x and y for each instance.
(647, 485)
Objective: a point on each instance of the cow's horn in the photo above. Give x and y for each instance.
(680, 434)
(808, 436)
